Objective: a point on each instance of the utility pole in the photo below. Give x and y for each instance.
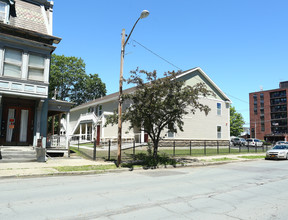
(144, 14)
(120, 99)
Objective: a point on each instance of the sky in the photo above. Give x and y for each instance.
(242, 45)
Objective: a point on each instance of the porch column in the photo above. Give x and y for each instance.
(142, 137)
(59, 123)
(93, 132)
(67, 129)
(80, 137)
(38, 123)
(86, 128)
(53, 120)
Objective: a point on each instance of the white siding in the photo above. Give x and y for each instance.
(200, 126)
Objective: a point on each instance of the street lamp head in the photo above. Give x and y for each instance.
(144, 14)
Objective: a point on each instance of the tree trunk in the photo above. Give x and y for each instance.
(155, 152)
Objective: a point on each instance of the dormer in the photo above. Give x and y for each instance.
(5, 11)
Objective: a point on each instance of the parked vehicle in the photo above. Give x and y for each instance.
(238, 141)
(281, 142)
(243, 141)
(279, 151)
(254, 142)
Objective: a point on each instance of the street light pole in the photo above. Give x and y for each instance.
(144, 14)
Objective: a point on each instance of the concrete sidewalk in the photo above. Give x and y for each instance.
(36, 169)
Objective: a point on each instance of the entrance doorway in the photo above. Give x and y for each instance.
(17, 122)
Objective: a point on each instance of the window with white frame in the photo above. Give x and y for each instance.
(219, 132)
(36, 67)
(171, 133)
(218, 108)
(4, 9)
(12, 62)
(99, 109)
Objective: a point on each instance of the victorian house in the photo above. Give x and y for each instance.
(26, 45)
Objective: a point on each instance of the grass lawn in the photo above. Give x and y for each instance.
(253, 157)
(208, 151)
(85, 168)
(179, 152)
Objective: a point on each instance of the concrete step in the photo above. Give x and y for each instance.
(17, 154)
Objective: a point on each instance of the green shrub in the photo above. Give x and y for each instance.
(147, 160)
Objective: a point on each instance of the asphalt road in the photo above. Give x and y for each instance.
(244, 190)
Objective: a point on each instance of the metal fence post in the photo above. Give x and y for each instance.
(190, 148)
(134, 148)
(94, 150)
(217, 147)
(239, 148)
(255, 148)
(229, 149)
(69, 148)
(248, 148)
(174, 148)
(109, 145)
(78, 142)
(205, 148)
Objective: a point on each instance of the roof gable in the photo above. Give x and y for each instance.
(197, 75)
(191, 77)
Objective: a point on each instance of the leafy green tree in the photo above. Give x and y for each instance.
(236, 122)
(68, 77)
(159, 103)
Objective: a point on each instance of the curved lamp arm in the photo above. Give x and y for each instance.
(144, 14)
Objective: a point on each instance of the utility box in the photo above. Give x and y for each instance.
(40, 151)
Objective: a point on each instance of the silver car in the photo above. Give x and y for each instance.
(254, 142)
(279, 151)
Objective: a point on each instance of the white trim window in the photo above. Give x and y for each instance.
(36, 67)
(171, 133)
(219, 132)
(219, 108)
(12, 63)
(4, 12)
(98, 110)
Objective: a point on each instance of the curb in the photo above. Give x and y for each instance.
(124, 169)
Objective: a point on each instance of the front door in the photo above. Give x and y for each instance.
(18, 124)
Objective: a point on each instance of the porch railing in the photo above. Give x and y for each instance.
(56, 141)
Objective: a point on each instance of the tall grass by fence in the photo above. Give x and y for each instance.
(174, 148)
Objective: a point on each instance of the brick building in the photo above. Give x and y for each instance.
(268, 113)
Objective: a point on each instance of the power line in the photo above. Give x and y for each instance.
(156, 54)
(237, 98)
(179, 68)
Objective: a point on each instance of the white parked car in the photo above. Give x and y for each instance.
(279, 151)
(254, 142)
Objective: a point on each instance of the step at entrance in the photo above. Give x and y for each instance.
(17, 154)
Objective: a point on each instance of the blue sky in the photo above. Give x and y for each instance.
(242, 45)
